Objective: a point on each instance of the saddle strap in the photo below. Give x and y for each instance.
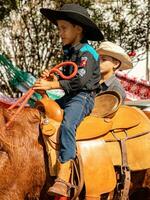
(77, 170)
(125, 171)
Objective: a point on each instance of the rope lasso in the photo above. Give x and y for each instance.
(24, 99)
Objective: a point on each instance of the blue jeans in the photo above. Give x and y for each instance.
(75, 109)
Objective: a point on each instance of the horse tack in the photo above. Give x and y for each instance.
(129, 145)
(99, 173)
(137, 143)
(106, 104)
(118, 123)
(52, 142)
(49, 108)
(93, 127)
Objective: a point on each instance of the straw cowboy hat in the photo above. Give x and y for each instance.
(115, 51)
(77, 14)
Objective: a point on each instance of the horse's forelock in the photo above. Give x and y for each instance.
(21, 154)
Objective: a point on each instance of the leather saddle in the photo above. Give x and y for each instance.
(98, 140)
(106, 116)
(111, 124)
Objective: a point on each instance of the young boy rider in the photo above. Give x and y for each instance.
(113, 57)
(75, 28)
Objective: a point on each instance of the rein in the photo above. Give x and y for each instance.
(24, 99)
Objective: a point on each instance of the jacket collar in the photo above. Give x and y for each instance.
(109, 81)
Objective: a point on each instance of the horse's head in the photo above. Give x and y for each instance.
(21, 155)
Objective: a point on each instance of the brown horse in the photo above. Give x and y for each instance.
(23, 171)
(23, 165)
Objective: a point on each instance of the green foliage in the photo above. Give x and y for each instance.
(5, 7)
(124, 22)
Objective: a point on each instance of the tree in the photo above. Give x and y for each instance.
(30, 40)
(127, 23)
(5, 7)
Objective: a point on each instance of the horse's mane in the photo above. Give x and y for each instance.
(22, 151)
(24, 124)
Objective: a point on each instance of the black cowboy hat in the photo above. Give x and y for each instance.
(77, 14)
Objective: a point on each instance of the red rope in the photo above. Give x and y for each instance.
(24, 99)
(20, 100)
(56, 69)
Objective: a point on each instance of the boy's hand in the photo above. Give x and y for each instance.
(46, 75)
(42, 84)
(53, 77)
